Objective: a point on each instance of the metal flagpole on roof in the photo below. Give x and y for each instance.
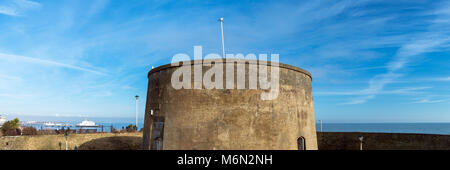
(221, 31)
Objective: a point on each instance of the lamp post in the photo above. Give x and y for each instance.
(320, 125)
(137, 97)
(361, 138)
(221, 31)
(66, 135)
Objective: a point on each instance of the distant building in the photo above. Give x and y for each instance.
(2, 120)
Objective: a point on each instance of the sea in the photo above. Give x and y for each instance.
(421, 128)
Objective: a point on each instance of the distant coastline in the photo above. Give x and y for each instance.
(414, 128)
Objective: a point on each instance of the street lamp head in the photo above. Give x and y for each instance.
(220, 19)
(137, 97)
(361, 138)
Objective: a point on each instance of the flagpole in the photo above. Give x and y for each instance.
(221, 31)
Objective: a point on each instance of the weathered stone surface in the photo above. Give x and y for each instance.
(229, 118)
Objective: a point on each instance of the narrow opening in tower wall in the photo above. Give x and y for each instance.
(158, 131)
(301, 143)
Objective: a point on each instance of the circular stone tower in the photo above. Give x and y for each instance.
(237, 118)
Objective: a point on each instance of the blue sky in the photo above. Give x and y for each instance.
(371, 61)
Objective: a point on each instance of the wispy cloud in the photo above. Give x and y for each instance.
(359, 100)
(442, 79)
(17, 7)
(402, 91)
(400, 61)
(428, 41)
(11, 57)
(428, 101)
(8, 11)
(7, 77)
(348, 45)
(14, 96)
(27, 4)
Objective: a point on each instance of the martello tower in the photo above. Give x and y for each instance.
(221, 119)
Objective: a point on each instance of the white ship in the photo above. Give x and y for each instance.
(51, 124)
(87, 123)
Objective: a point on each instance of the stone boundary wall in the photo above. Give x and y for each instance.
(382, 141)
(326, 141)
(93, 141)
